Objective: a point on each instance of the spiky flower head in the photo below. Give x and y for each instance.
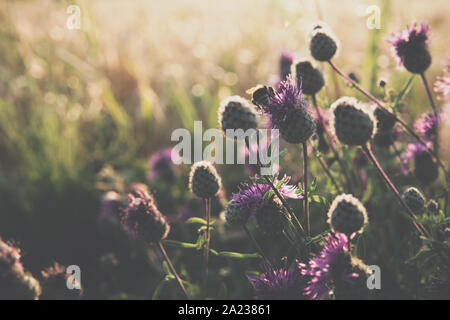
(426, 169)
(204, 181)
(410, 48)
(322, 43)
(432, 207)
(334, 268)
(251, 195)
(54, 284)
(414, 199)
(385, 120)
(160, 166)
(279, 284)
(142, 220)
(427, 125)
(442, 85)
(235, 113)
(288, 112)
(347, 215)
(307, 76)
(351, 123)
(236, 214)
(286, 59)
(15, 282)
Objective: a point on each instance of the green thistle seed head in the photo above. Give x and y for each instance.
(322, 44)
(351, 123)
(347, 215)
(235, 113)
(307, 76)
(204, 181)
(414, 199)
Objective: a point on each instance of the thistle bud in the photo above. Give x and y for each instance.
(351, 124)
(143, 220)
(426, 170)
(414, 199)
(204, 181)
(386, 120)
(307, 76)
(268, 217)
(432, 207)
(323, 44)
(235, 113)
(235, 214)
(347, 215)
(261, 95)
(298, 126)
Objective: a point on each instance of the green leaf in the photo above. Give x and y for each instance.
(283, 153)
(319, 199)
(178, 244)
(197, 220)
(280, 183)
(236, 255)
(260, 180)
(268, 195)
(402, 92)
(159, 288)
(313, 186)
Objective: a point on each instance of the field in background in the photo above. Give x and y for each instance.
(82, 110)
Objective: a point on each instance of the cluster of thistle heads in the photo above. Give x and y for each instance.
(333, 271)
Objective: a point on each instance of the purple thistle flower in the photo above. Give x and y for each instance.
(427, 125)
(410, 48)
(442, 85)
(412, 151)
(325, 267)
(279, 284)
(287, 98)
(251, 195)
(160, 165)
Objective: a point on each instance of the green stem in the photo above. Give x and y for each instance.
(172, 268)
(305, 188)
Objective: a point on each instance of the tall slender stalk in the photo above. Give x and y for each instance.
(382, 106)
(208, 239)
(172, 268)
(369, 154)
(257, 246)
(430, 97)
(305, 188)
(332, 147)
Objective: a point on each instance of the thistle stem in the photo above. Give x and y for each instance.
(333, 149)
(325, 168)
(305, 188)
(206, 249)
(172, 268)
(369, 154)
(382, 106)
(255, 243)
(430, 97)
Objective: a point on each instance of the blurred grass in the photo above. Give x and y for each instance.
(74, 101)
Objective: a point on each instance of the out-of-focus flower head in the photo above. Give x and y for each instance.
(54, 284)
(410, 48)
(142, 219)
(442, 85)
(15, 282)
(425, 168)
(427, 125)
(334, 269)
(279, 284)
(160, 166)
(286, 59)
(110, 208)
